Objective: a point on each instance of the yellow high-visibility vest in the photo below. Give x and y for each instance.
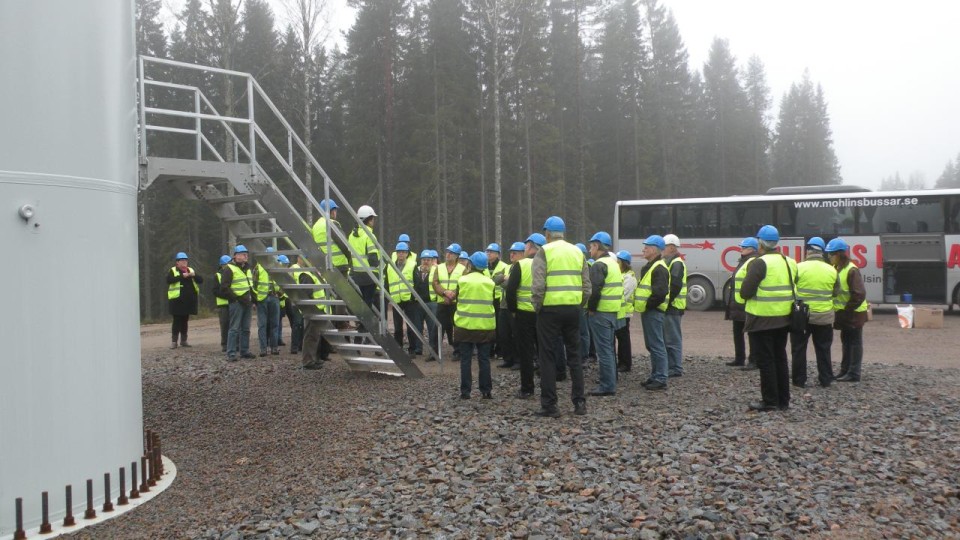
(173, 291)
(475, 303)
(564, 281)
(775, 293)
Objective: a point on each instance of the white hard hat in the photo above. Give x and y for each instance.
(671, 240)
(365, 211)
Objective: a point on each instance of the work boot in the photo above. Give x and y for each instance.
(185, 344)
(580, 408)
(735, 363)
(749, 367)
(173, 345)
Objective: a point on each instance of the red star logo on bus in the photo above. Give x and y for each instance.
(706, 244)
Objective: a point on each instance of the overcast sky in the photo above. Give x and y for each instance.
(890, 70)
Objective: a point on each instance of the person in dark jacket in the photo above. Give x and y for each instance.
(223, 303)
(421, 286)
(850, 306)
(735, 305)
(650, 301)
(183, 295)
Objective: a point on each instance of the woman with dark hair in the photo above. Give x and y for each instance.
(183, 293)
(851, 310)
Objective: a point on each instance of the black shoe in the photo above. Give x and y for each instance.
(282, 344)
(749, 367)
(505, 365)
(674, 375)
(487, 395)
(248, 356)
(646, 382)
(263, 353)
(580, 408)
(623, 370)
(464, 396)
(294, 351)
(223, 349)
(275, 351)
(185, 344)
(783, 407)
(232, 359)
(314, 365)
(524, 395)
(841, 374)
(848, 378)
(656, 385)
(735, 363)
(800, 385)
(761, 407)
(547, 413)
(825, 385)
(515, 367)
(561, 376)
(598, 393)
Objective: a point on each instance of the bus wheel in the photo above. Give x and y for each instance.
(700, 294)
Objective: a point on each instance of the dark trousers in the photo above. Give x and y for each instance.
(408, 308)
(525, 328)
(224, 313)
(771, 350)
(739, 347)
(296, 327)
(562, 322)
(624, 347)
(179, 328)
(483, 366)
(369, 295)
(822, 335)
(445, 316)
(506, 337)
(850, 362)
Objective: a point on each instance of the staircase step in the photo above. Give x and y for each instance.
(246, 197)
(360, 347)
(366, 361)
(249, 217)
(286, 270)
(255, 236)
(325, 317)
(333, 332)
(322, 302)
(308, 286)
(277, 252)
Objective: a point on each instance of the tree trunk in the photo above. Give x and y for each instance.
(307, 132)
(526, 144)
(497, 191)
(581, 188)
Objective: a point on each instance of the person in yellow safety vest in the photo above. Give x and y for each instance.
(506, 332)
(769, 288)
(736, 308)
(475, 325)
(518, 294)
(236, 285)
(294, 318)
(422, 280)
(606, 298)
(308, 278)
(650, 301)
(496, 271)
(850, 307)
(183, 297)
(444, 283)
(560, 289)
(676, 305)
(817, 285)
(268, 308)
(339, 250)
(366, 261)
(223, 303)
(624, 346)
(463, 258)
(404, 237)
(402, 294)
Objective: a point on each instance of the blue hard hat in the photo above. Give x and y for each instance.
(768, 233)
(837, 245)
(454, 248)
(749, 242)
(403, 238)
(516, 246)
(537, 239)
(181, 255)
(625, 256)
(224, 259)
(554, 224)
(494, 247)
(603, 238)
(283, 259)
(402, 246)
(464, 254)
(328, 204)
(655, 240)
(434, 254)
(425, 254)
(816, 242)
(270, 249)
(582, 248)
(590, 261)
(479, 260)
(240, 249)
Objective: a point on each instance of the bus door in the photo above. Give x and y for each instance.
(914, 264)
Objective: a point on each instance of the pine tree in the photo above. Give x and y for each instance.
(727, 121)
(758, 128)
(803, 150)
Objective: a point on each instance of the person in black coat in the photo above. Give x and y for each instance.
(183, 293)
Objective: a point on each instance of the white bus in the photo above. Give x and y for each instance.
(907, 243)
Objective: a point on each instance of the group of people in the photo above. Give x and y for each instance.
(766, 285)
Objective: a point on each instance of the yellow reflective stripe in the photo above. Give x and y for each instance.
(563, 273)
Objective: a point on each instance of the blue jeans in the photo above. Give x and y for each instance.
(673, 340)
(585, 328)
(602, 327)
(483, 362)
(238, 338)
(268, 317)
(652, 322)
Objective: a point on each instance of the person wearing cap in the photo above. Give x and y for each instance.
(293, 312)
(676, 305)
(183, 297)
(850, 307)
(519, 296)
(560, 289)
(495, 271)
(421, 286)
(236, 285)
(650, 301)
(506, 332)
(606, 298)
(769, 288)
(338, 249)
(444, 284)
(624, 346)
(817, 286)
(402, 294)
(735, 310)
(223, 303)
(475, 325)
(268, 308)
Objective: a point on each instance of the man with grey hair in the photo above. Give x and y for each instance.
(650, 301)
(676, 305)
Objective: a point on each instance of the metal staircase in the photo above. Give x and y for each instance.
(259, 211)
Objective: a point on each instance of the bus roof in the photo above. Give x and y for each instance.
(804, 196)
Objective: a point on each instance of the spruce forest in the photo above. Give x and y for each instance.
(471, 121)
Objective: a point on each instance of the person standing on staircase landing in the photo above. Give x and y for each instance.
(363, 242)
(237, 286)
(338, 249)
(183, 294)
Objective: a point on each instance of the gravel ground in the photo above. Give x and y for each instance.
(265, 450)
